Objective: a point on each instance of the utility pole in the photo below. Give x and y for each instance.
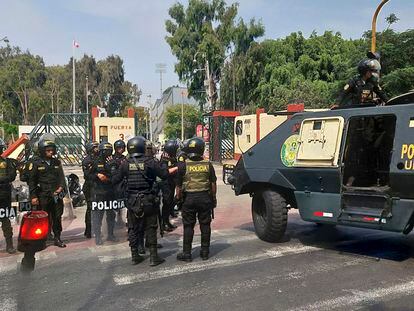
(87, 95)
(73, 81)
(182, 115)
(150, 117)
(160, 68)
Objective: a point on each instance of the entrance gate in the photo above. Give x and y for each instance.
(72, 132)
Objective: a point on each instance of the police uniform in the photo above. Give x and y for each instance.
(168, 191)
(141, 172)
(45, 177)
(196, 178)
(357, 91)
(87, 165)
(102, 191)
(119, 187)
(7, 176)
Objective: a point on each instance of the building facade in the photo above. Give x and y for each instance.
(172, 96)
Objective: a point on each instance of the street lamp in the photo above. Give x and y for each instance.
(374, 25)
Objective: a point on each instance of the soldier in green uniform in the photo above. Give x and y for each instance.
(46, 185)
(197, 187)
(364, 88)
(7, 176)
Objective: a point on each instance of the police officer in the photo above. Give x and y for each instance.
(365, 87)
(87, 164)
(197, 186)
(141, 172)
(7, 176)
(46, 186)
(102, 193)
(120, 187)
(168, 159)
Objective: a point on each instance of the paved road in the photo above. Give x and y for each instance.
(314, 268)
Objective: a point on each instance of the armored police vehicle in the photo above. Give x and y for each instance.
(351, 166)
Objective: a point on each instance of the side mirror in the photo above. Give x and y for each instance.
(239, 127)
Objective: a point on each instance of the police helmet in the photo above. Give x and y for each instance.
(195, 147)
(2, 146)
(46, 144)
(105, 149)
(366, 65)
(136, 146)
(119, 144)
(91, 146)
(171, 147)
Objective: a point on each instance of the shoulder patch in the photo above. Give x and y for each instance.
(346, 87)
(30, 166)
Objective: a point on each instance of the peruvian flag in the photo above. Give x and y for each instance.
(75, 44)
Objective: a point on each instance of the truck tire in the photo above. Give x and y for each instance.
(269, 211)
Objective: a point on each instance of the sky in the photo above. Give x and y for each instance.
(135, 29)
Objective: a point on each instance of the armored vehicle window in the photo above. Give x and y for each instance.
(319, 142)
(368, 151)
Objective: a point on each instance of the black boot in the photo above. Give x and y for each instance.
(170, 225)
(184, 257)
(141, 250)
(9, 246)
(87, 234)
(148, 246)
(155, 260)
(136, 257)
(204, 252)
(58, 242)
(98, 240)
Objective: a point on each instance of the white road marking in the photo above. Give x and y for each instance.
(8, 304)
(125, 253)
(272, 280)
(126, 279)
(361, 297)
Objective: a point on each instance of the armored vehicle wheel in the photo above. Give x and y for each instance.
(269, 211)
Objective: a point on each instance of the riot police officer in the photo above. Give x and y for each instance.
(102, 193)
(365, 87)
(197, 187)
(7, 176)
(168, 159)
(141, 172)
(87, 164)
(120, 187)
(46, 186)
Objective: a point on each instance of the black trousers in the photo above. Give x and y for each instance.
(138, 227)
(97, 217)
(7, 228)
(168, 191)
(88, 217)
(55, 212)
(197, 205)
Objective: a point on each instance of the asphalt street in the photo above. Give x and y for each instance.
(314, 268)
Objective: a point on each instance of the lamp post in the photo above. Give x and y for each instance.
(150, 117)
(374, 25)
(6, 40)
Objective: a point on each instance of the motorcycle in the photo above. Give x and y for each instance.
(75, 190)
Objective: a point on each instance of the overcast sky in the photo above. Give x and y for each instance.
(134, 29)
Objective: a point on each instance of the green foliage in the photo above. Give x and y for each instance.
(192, 117)
(204, 31)
(29, 89)
(312, 70)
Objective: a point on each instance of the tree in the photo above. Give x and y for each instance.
(200, 36)
(391, 19)
(192, 117)
(22, 75)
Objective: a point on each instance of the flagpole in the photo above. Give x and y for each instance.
(73, 77)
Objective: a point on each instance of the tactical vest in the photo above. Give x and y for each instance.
(48, 175)
(197, 176)
(137, 181)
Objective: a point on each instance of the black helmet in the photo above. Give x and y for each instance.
(105, 149)
(45, 143)
(171, 147)
(195, 147)
(90, 146)
(372, 65)
(136, 146)
(2, 146)
(119, 144)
